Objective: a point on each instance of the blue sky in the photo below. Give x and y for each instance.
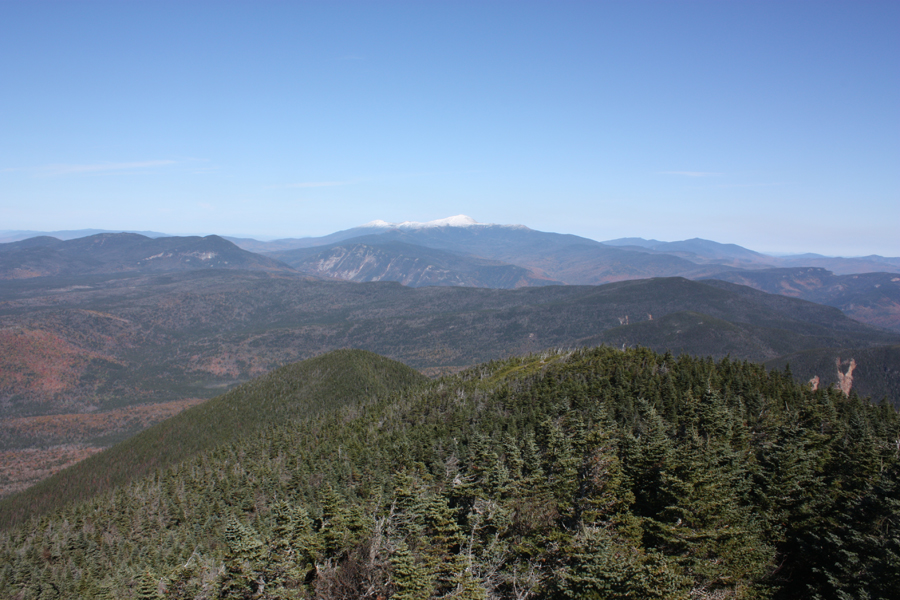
(774, 125)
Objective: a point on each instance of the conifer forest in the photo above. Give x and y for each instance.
(591, 474)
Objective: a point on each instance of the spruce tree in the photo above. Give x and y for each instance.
(148, 587)
(411, 581)
(243, 562)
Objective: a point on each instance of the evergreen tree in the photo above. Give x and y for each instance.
(599, 567)
(148, 587)
(463, 584)
(182, 583)
(717, 540)
(410, 579)
(243, 562)
(650, 457)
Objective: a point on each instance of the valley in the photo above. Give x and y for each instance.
(108, 334)
(449, 300)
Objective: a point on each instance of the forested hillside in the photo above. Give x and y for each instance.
(872, 298)
(572, 474)
(302, 389)
(125, 253)
(80, 355)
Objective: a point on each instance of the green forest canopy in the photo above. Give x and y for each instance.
(570, 474)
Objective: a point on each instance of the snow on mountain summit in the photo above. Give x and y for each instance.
(456, 221)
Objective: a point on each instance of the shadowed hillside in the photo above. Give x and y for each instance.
(875, 372)
(872, 298)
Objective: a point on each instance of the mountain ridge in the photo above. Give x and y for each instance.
(323, 383)
(125, 252)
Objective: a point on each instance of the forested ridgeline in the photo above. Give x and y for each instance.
(299, 390)
(585, 474)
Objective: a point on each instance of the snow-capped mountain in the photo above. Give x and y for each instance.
(454, 221)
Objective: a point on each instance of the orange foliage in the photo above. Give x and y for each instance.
(20, 469)
(41, 361)
(84, 425)
(64, 439)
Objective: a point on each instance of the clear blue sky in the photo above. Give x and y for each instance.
(774, 125)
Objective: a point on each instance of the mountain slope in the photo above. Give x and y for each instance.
(371, 258)
(846, 266)
(304, 389)
(125, 252)
(706, 251)
(872, 298)
(689, 332)
(872, 372)
(158, 338)
(567, 258)
(700, 251)
(565, 475)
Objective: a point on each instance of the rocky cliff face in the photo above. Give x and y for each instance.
(413, 266)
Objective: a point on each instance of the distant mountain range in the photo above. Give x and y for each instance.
(68, 234)
(110, 332)
(696, 250)
(458, 251)
(453, 252)
(449, 233)
(705, 251)
(124, 252)
(564, 258)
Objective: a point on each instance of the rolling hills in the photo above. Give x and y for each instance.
(112, 332)
(125, 252)
(121, 340)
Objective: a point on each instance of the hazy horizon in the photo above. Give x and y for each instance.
(771, 125)
(264, 238)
